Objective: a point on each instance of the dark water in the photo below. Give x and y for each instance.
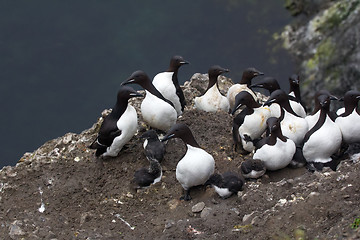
(61, 62)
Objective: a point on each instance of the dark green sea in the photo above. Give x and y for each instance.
(61, 62)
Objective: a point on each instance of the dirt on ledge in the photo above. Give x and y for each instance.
(61, 191)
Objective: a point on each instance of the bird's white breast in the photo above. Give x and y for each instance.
(298, 108)
(277, 156)
(234, 90)
(164, 84)
(127, 123)
(195, 167)
(323, 143)
(294, 127)
(350, 127)
(223, 192)
(158, 113)
(212, 101)
(312, 119)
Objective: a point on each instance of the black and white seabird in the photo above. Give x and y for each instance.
(294, 90)
(213, 100)
(118, 127)
(168, 84)
(226, 184)
(276, 150)
(156, 110)
(292, 126)
(349, 119)
(324, 139)
(271, 84)
(253, 168)
(144, 177)
(250, 123)
(196, 166)
(243, 85)
(313, 117)
(154, 148)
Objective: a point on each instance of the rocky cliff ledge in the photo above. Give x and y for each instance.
(325, 41)
(60, 191)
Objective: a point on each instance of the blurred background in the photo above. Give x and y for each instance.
(61, 62)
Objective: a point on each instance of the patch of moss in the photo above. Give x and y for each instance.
(323, 56)
(336, 14)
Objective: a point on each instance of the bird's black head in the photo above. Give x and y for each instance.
(249, 74)
(150, 134)
(139, 77)
(294, 79)
(268, 83)
(242, 98)
(273, 124)
(126, 92)
(216, 70)
(324, 101)
(176, 62)
(278, 96)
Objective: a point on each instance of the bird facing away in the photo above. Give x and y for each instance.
(157, 111)
(213, 100)
(118, 127)
(196, 166)
(168, 84)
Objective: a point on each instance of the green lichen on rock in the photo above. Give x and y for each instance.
(335, 15)
(325, 46)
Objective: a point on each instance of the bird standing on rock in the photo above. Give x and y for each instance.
(196, 166)
(243, 85)
(118, 127)
(168, 84)
(156, 110)
(213, 100)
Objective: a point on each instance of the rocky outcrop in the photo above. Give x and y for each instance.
(325, 42)
(61, 191)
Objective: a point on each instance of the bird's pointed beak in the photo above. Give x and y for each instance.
(332, 97)
(235, 109)
(269, 102)
(167, 137)
(127, 81)
(136, 94)
(256, 86)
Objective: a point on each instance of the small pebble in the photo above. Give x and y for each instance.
(198, 207)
